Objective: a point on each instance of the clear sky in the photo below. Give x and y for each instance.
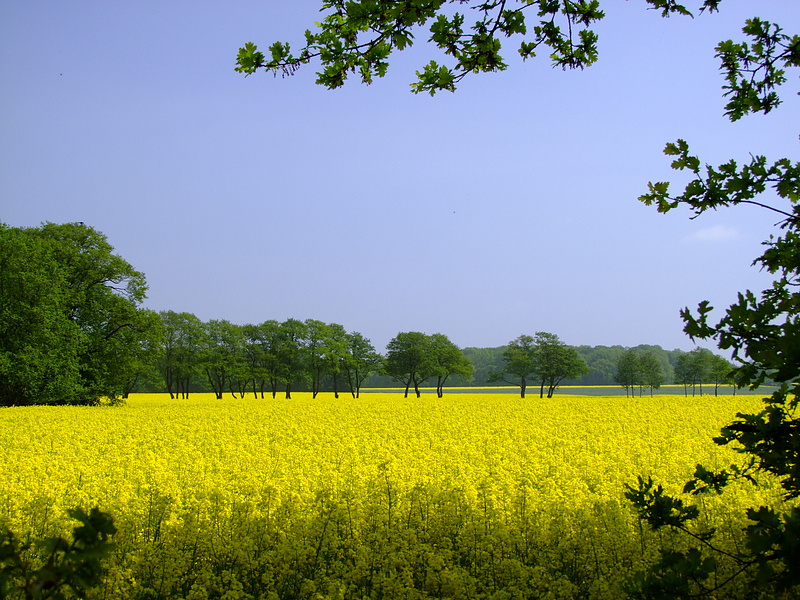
(508, 207)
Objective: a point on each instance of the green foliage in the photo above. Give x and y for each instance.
(519, 361)
(761, 330)
(755, 70)
(657, 508)
(71, 330)
(413, 357)
(222, 355)
(652, 374)
(357, 38)
(360, 361)
(695, 367)
(555, 361)
(179, 357)
(56, 568)
(543, 358)
(447, 360)
(628, 371)
(289, 354)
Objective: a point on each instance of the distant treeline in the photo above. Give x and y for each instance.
(602, 363)
(601, 360)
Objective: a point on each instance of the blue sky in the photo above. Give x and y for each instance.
(508, 207)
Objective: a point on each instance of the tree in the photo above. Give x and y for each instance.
(693, 369)
(447, 360)
(222, 355)
(519, 361)
(719, 371)
(336, 354)
(142, 362)
(290, 353)
(486, 361)
(317, 334)
(683, 372)
(554, 361)
(628, 371)
(409, 360)
(269, 337)
(652, 373)
(179, 362)
(254, 360)
(361, 361)
(70, 322)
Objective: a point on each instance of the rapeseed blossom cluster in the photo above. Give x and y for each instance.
(467, 496)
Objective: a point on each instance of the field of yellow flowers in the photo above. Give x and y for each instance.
(467, 496)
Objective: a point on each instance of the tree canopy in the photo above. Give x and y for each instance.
(519, 361)
(642, 369)
(71, 327)
(543, 358)
(413, 357)
(554, 362)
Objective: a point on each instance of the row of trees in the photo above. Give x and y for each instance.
(642, 370)
(72, 331)
(266, 358)
(275, 356)
(602, 362)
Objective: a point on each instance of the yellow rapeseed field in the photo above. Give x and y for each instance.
(468, 496)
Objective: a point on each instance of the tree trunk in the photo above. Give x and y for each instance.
(440, 386)
(217, 383)
(129, 385)
(168, 375)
